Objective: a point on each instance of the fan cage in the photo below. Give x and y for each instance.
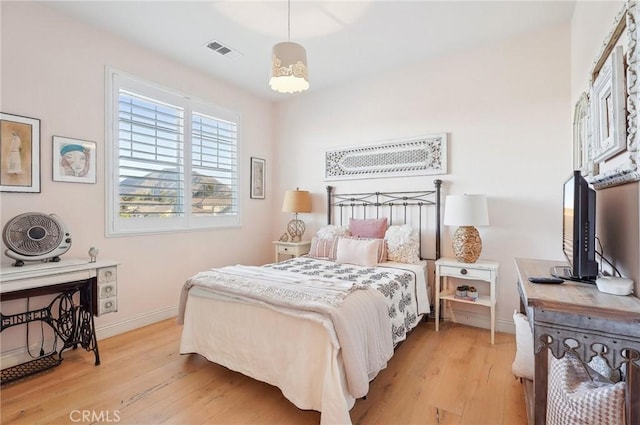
(16, 234)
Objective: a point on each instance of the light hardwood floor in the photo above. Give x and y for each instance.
(454, 376)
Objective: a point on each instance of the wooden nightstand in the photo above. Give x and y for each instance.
(293, 249)
(480, 270)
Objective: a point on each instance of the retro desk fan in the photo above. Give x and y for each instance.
(35, 237)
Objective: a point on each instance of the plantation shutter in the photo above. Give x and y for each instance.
(214, 164)
(151, 157)
(172, 160)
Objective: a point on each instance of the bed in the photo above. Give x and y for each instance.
(321, 327)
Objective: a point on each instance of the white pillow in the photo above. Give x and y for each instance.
(381, 243)
(523, 365)
(599, 365)
(402, 244)
(331, 231)
(573, 398)
(361, 252)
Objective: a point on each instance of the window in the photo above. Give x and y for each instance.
(174, 161)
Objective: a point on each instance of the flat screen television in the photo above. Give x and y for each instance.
(579, 229)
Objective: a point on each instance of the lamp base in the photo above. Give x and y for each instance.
(296, 229)
(467, 244)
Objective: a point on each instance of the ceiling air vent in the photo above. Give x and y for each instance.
(223, 50)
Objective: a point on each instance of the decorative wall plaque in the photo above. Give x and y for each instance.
(423, 155)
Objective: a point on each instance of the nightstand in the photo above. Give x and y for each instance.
(481, 270)
(293, 249)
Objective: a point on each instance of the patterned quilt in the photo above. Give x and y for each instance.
(397, 285)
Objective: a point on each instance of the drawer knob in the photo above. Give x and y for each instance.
(463, 271)
(108, 274)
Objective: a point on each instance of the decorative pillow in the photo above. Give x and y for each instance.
(605, 372)
(368, 228)
(361, 252)
(323, 248)
(523, 365)
(332, 231)
(403, 245)
(573, 398)
(381, 250)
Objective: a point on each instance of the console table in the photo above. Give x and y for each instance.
(71, 320)
(577, 315)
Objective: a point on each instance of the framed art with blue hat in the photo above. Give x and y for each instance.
(74, 160)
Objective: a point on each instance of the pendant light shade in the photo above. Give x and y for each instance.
(289, 64)
(289, 68)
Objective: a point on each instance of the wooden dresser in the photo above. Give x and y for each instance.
(577, 314)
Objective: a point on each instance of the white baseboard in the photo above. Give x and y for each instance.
(136, 322)
(482, 320)
(20, 355)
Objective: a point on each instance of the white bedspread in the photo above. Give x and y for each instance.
(305, 364)
(358, 312)
(323, 358)
(279, 287)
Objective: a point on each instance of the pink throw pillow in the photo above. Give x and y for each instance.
(368, 228)
(323, 248)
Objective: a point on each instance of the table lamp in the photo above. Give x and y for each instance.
(296, 201)
(466, 211)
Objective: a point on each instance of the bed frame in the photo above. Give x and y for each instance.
(399, 208)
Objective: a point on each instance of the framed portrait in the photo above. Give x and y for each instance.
(74, 160)
(258, 166)
(19, 154)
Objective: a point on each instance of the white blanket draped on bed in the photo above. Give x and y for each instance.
(358, 312)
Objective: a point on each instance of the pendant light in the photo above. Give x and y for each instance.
(289, 64)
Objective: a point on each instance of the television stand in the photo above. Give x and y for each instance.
(578, 312)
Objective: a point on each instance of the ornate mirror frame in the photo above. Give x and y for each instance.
(624, 167)
(581, 147)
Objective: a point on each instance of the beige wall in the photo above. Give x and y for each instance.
(507, 110)
(53, 68)
(618, 218)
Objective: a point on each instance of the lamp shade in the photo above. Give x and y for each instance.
(466, 210)
(289, 68)
(296, 201)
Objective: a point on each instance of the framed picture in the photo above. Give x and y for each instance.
(257, 178)
(609, 117)
(74, 160)
(19, 154)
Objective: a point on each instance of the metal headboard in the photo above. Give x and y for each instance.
(393, 205)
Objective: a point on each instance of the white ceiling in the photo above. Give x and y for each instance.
(344, 40)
